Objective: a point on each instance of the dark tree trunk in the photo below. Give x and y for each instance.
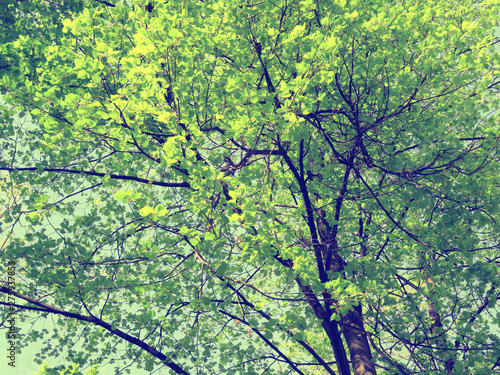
(355, 335)
(331, 329)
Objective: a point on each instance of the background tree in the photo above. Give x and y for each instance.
(234, 187)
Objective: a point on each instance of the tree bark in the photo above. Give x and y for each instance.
(357, 342)
(331, 329)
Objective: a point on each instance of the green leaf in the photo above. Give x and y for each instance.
(161, 211)
(82, 74)
(221, 270)
(174, 33)
(121, 196)
(335, 317)
(147, 210)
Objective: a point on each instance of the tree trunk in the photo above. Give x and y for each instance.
(357, 342)
(332, 332)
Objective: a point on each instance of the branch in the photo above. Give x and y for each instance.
(386, 357)
(105, 3)
(310, 217)
(90, 173)
(270, 86)
(91, 319)
(311, 297)
(281, 354)
(481, 308)
(411, 235)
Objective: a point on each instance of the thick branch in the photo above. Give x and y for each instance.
(310, 219)
(90, 173)
(92, 319)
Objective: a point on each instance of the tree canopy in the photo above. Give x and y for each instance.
(253, 187)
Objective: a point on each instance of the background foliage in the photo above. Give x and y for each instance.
(273, 187)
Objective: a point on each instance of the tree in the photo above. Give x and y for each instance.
(249, 187)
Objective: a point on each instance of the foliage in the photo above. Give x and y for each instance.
(240, 187)
(62, 370)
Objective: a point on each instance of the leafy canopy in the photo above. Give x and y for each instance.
(240, 187)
